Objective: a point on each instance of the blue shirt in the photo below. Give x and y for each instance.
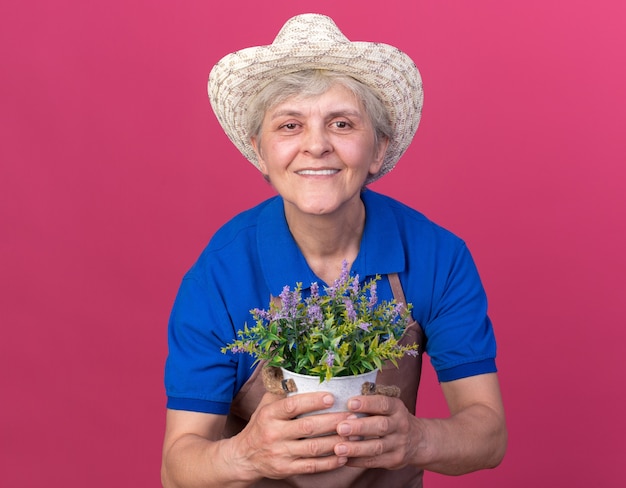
(254, 256)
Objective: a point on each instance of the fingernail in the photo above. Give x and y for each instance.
(354, 404)
(343, 429)
(328, 399)
(341, 450)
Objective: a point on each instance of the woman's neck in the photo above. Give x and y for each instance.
(327, 240)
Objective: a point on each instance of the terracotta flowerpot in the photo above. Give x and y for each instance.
(342, 387)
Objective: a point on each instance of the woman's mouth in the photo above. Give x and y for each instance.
(317, 172)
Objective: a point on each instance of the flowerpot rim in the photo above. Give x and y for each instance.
(334, 378)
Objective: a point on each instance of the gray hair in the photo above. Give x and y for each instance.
(311, 83)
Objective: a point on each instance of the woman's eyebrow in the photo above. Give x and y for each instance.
(335, 113)
(345, 113)
(285, 113)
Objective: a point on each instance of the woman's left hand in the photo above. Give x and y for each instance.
(386, 438)
(473, 437)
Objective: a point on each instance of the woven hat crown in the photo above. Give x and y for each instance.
(310, 29)
(313, 41)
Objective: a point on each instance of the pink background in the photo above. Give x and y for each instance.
(114, 174)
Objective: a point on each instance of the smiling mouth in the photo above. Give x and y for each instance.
(318, 172)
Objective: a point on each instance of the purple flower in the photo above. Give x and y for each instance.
(373, 297)
(245, 347)
(350, 309)
(343, 278)
(315, 313)
(315, 290)
(289, 302)
(330, 358)
(355, 285)
(261, 314)
(396, 310)
(365, 326)
(341, 281)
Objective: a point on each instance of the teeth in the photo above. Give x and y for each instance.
(318, 172)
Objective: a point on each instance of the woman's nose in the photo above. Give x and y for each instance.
(316, 141)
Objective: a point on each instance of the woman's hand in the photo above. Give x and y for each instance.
(385, 438)
(276, 444)
(473, 437)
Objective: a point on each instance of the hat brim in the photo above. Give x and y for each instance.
(239, 77)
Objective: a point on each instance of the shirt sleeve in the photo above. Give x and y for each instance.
(198, 377)
(460, 337)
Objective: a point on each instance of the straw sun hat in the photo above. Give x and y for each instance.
(313, 41)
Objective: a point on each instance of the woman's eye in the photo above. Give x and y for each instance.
(290, 126)
(341, 124)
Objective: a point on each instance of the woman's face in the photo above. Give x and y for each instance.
(317, 152)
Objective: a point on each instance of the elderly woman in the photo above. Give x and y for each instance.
(321, 117)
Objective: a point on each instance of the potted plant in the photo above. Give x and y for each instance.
(345, 331)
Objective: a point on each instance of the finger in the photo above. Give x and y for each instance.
(368, 452)
(374, 404)
(372, 426)
(353, 437)
(311, 447)
(317, 464)
(300, 457)
(295, 405)
(386, 450)
(317, 425)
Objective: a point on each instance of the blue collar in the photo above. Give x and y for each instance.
(283, 264)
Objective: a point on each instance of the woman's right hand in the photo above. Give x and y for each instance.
(275, 444)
